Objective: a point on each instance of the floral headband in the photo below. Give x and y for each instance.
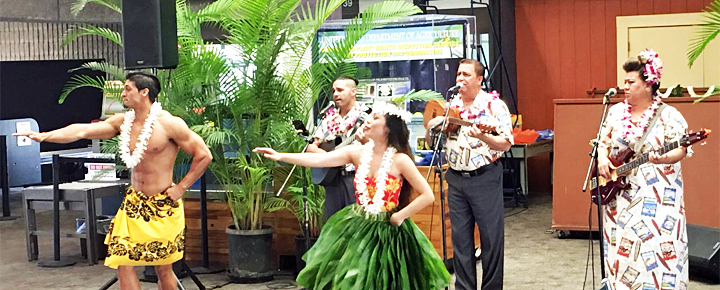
(653, 66)
(392, 109)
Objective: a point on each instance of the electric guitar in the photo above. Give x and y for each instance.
(624, 165)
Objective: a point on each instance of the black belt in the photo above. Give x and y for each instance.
(475, 172)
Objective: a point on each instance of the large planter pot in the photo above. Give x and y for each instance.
(300, 250)
(249, 255)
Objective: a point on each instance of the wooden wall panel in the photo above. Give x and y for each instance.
(696, 5)
(612, 9)
(566, 47)
(41, 40)
(567, 51)
(678, 6)
(661, 7)
(597, 39)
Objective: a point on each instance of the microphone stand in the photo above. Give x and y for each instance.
(437, 152)
(306, 215)
(594, 164)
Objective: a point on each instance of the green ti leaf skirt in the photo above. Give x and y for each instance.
(357, 250)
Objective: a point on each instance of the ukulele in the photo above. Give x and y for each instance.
(624, 165)
(435, 108)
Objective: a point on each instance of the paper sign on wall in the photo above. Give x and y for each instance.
(23, 127)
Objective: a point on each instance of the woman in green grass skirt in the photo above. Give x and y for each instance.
(372, 244)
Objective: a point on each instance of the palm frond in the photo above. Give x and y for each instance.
(708, 30)
(79, 5)
(217, 11)
(116, 72)
(421, 95)
(275, 203)
(80, 81)
(91, 30)
(714, 92)
(214, 136)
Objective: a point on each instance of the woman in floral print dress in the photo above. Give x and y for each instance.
(644, 230)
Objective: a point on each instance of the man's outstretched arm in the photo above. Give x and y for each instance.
(101, 130)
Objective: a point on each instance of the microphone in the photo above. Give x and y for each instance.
(456, 87)
(611, 92)
(322, 113)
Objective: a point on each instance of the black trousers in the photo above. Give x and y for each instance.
(340, 193)
(477, 200)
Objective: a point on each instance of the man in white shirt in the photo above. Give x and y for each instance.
(339, 123)
(475, 193)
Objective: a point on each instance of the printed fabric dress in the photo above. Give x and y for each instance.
(645, 238)
(358, 250)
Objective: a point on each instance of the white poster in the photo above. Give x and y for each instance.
(23, 127)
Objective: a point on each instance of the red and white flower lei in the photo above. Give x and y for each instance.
(631, 130)
(474, 111)
(336, 124)
(373, 205)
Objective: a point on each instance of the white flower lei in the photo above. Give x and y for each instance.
(124, 146)
(392, 109)
(374, 205)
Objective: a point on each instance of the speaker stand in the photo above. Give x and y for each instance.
(57, 261)
(5, 181)
(205, 267)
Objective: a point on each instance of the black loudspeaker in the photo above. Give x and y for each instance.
(149, 34)
(704, 251)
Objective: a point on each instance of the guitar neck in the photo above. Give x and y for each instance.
(645, 158)
(460, 122)
(490, 129)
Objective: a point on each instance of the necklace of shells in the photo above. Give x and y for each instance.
(132, 160)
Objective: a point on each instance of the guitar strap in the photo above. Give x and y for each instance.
(641, 141)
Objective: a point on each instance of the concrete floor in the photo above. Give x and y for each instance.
(534, 257)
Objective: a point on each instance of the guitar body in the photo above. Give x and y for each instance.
(325, 175)
(610, 187)
(435, 108)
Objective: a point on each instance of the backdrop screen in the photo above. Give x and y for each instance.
(30, 89)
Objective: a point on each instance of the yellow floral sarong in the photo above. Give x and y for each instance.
(147, 230)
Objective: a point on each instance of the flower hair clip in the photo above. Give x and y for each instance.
(392, 109)
(653, 66)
